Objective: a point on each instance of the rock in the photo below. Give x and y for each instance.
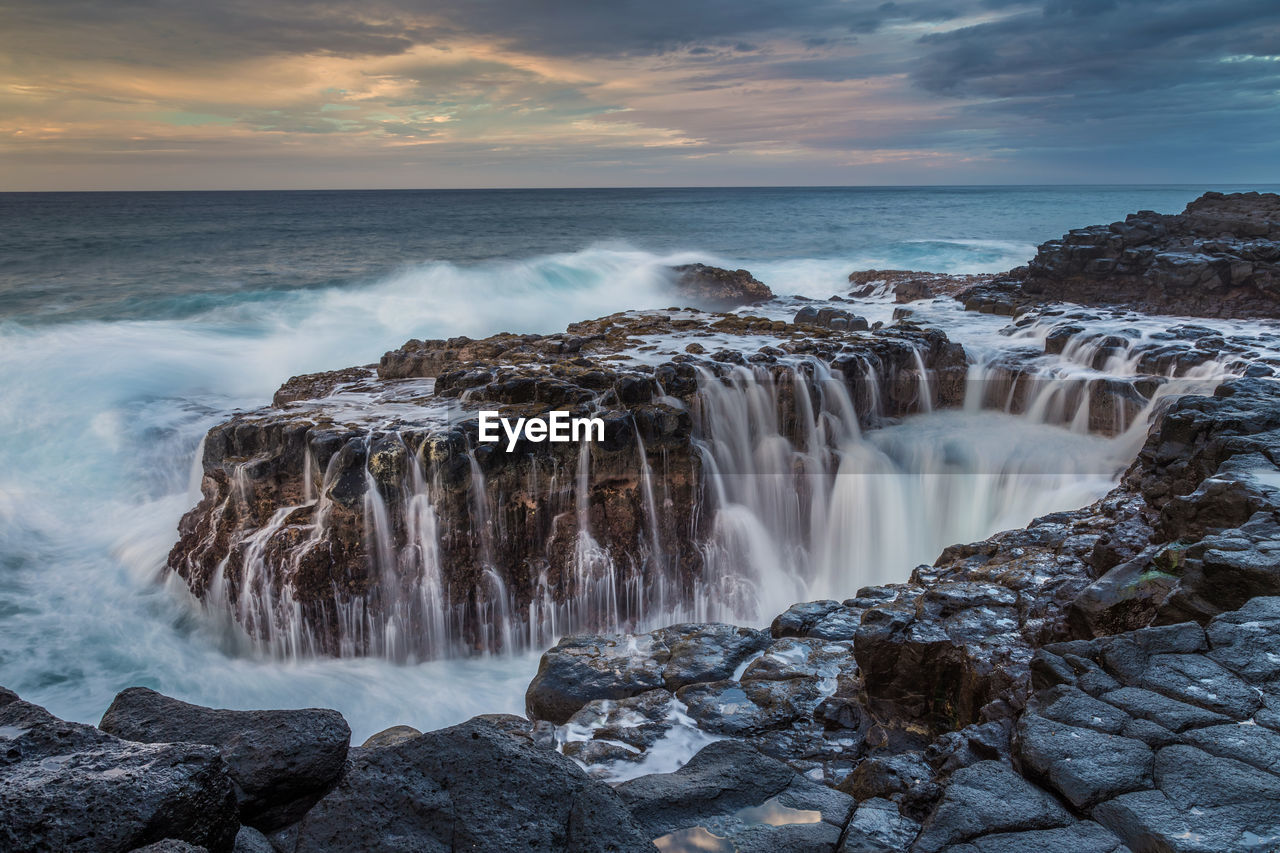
(800, 619)
(1084, 766)
(281, 761)
(700, 653)
(937, 655)
(877, 827)
(831, 318)
(619, 730)
(750, 707)
(171, 845)
(390, 737)
(69, 787)
(1198, 680)
(1246, 742)
(988, 798)
(1247, 641)
(1168, 713)
(910, 285)
(1204, 803)
(580, 669)
(719, 289)
(472, 787)
(1083, 837)
(1215, 259)
(250, 840)
(757, 802)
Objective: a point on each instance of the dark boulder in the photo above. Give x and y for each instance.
(469, 787)
(281, 761)
(69, 787)
(719, 289)
(988, 798)
(580, 669)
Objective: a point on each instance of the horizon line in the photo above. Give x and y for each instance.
(650, 187)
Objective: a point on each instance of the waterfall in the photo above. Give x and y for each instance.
(1022, 444)
(812, 481)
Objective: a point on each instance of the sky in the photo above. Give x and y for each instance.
(246, 94)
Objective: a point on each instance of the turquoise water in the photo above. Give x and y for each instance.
(132, 322)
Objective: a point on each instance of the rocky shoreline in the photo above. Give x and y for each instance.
(1104, 679)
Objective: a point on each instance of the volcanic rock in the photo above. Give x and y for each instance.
(281, 761)
(69, 787)
(719, 289)
(472, 786)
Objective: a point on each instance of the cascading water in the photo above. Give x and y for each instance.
(808, 489)
(824, 509)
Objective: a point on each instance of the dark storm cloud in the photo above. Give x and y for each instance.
(1088, 46)
(171, 32)
(1180, 78)
(164, 31)
(592, 27)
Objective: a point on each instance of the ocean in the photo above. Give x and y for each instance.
(130, 323)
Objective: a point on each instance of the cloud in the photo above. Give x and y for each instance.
(832, 91)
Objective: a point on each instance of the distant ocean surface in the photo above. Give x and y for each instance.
(132, 322)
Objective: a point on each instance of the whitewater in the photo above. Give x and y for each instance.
(112, 373)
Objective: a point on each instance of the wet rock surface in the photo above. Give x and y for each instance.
(719, 289)
(581, 669)
(321, 507)
(1039, 690)
(1218, 258)
(736, 794)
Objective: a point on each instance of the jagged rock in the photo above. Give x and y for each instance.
(719, 289)
(906, 778)
(1215, 259)
(985, 799)
(291, 494)
(750, 707)
(831, 318)
(731, 789)
(1247, 641)
(700, 653)
(935, 655)
(170, 845)
(823, 620)
(1168, 755)
(1083, 765)
(878, 827)
(471, 786)
(281, 761)
(70, 787)
(580, 669)
(909, 285)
